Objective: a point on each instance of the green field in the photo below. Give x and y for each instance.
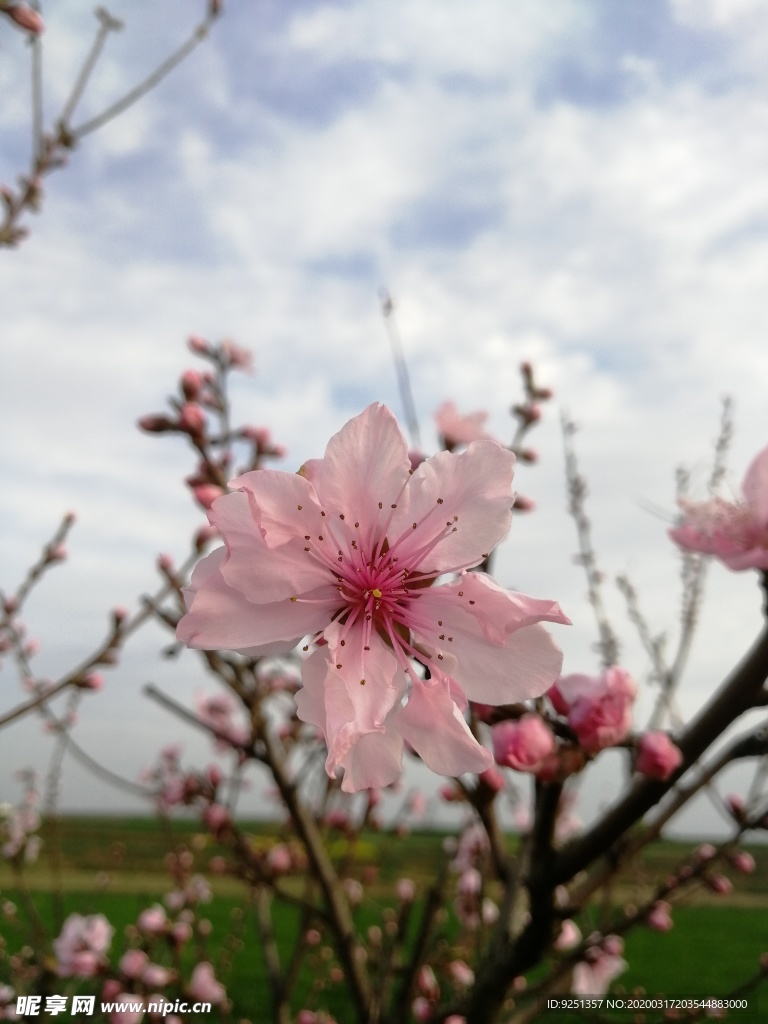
(117, 867)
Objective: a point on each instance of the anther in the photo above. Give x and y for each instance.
(442, 636)
(341, 515)
(393, 506)
(439, 657)
(323, 513)
(305, 647)
(439, 501)
(380, 505)
(293, 598)
(461, 593)
(362, 682)
(366, 648)
(357, 525)
(299, 507)
(338, 665)
(342, 643)
(472, 602)
(376, 593)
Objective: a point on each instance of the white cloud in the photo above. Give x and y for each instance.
(618, 243)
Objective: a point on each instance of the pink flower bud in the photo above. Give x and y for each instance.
(421, 1009)
(657, 755)
(523, 744)
(491, 779)
(217, 818)
(25, 18)
(569, 936)
(613, 945)
(197, 344)
(92, 681)
(406, 890)
(719, 884)
(705, 852)
(279, 859)
(155, 424)
(192, 419)
(659, 918)
(133, 962)
(427, 982)
(206, 494)
(191, 383)
(736, 807)
(743, 862)
(165, 563)
(153, 920)
(523, 504)
(461, 973)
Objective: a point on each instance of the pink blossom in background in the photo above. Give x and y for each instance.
(735, 532)
(659, 917)
(569, 935)
(599, 708)
(82, 945)
(204, 986)
(593, 977)
(456, 429)
(133, 962)
(657, 755)
(524, 744)
(347, 551)
(743, 861)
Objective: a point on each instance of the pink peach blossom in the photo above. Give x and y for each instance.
(599, 708)
(569, 935)
(524, 744)
(204, 986)
(82, 944)
(133, 962)
(456, 429)
(735, 532)
(657, 755)
(153, 920)
(347, 551)
(593, 977)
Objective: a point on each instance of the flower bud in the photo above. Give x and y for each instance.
(25, 17)
(155, 424)
(191, 383)
(192, 419)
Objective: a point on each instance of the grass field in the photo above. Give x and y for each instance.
(117, 867)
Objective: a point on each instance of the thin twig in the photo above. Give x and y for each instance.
(401, 367)
(145, 86)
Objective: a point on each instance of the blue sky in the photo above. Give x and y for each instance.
(579, 184)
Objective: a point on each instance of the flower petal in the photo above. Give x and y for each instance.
(220, 618)
(376, 760)
(267, 563)
(369, 676)
(363, 472)
(498, 659)
(755, 487)
(436, 730)
(468, 494)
